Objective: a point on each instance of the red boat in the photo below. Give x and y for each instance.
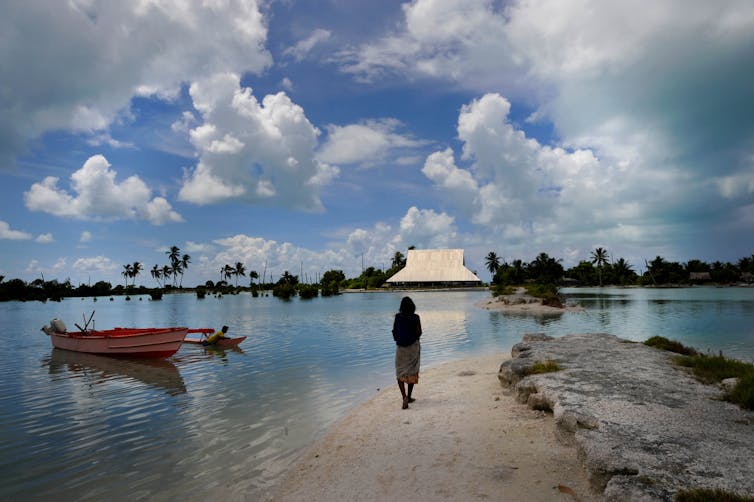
(125, 342)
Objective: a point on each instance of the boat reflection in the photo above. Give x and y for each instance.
(157, 373)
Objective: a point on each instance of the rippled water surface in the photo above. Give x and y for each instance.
(226, 423)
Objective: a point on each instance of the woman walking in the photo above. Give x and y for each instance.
(407, 329)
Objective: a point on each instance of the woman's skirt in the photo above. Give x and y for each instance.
(407, 362)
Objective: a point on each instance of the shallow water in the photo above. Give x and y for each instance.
(226, 423)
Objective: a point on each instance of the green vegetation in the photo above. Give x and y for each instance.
(662, 343)
(547, 292)
(710, 495)
(543, 270)
(539, 367)
(713, 369)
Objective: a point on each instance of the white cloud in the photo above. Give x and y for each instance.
(286, 84)
(251, 151)
(364, 143)
(45, 238)
(428, 229)
(14, 235)
(302, 49)
(104, 53)
(98, 196)
(99, 263)
(86, 236)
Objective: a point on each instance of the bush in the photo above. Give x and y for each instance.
(503, 289)
(284, 291)
(308, 291)
(662, 343)
(547, 292)
(715, 369)
(710, 495)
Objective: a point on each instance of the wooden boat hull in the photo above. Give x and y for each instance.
(124, 342)
(222, 342)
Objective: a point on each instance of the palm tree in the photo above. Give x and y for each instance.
(175, 261)
(399, 261)
(239, 270)
(493, 262)
(167, 271)
(127, 271)
(253, 275)
(622, 270)
(185, 260)
(173, 254)
(599, 257)
(228, 271)
(177, 270)
(156, 274)
(136, 269)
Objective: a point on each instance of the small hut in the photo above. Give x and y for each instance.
(434, 268)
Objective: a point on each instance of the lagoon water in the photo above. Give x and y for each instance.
(226, 423)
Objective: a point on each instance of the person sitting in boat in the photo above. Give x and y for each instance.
(212, 340)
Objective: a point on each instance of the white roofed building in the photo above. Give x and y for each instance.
(434, 267)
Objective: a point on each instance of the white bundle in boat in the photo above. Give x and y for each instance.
(58, 326)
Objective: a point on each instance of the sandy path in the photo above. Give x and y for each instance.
(464, 438)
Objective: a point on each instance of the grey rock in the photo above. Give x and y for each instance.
(643, 427)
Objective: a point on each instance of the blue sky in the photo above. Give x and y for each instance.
(308, 136)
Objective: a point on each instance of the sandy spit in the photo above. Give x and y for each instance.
(465, 438)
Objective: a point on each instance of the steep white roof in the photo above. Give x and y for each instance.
(434, 265)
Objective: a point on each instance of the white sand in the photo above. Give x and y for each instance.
(464, 438)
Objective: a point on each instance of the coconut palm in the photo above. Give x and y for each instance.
(127, 271)
(599, 257)
(174, 254)
(399, 261)
(252, 276)
(156, 274)
(185, 260)
(623, 270)
(493, 262)
(228, 271)
(239, 270)
(136, 269)
(167, 271)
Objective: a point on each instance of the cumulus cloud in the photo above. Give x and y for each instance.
(86, 236)
(100, 264)
(428, 228)
(364, 143)
(251, 151)
(372, 246)
(104, 53)
(529, 194)
(45, 238)
(654, 98)
(8, 233)
(98, 196)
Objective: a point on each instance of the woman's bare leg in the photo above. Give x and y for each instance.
(402, 387)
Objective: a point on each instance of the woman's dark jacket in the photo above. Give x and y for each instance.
(407, 328)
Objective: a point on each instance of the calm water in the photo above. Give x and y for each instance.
(224, 424)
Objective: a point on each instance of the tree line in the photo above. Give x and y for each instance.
(600, 270)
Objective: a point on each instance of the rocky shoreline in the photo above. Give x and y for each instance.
(643, 427)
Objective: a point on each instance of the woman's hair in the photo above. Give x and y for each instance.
(407, 306)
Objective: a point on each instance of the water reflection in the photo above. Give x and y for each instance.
(157, 373)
